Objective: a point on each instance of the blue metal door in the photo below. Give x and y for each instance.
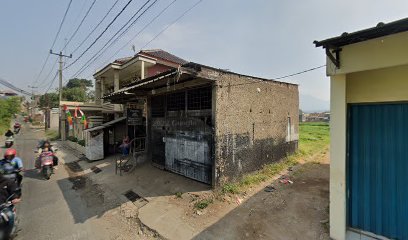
(378, 169)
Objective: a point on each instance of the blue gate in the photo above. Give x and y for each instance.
(378, 169)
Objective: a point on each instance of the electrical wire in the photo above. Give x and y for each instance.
(52, 82)
(45, 80)
(305, 71)
(100, 35)
(93, 30)
(177, 19)
(137, 34)
(80, 24)
(110, 42)
(53, 43)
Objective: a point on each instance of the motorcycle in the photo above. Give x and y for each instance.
(47, 164)
(9, 142)
(8, 218)
(17, 129)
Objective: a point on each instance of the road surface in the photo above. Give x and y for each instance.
(53, 209)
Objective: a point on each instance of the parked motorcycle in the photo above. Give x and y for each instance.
(8, 218)
(9, 142)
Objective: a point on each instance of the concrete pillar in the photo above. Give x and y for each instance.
(214, 182)
(98, 93)
(116, 80)
(116, 87)
(338, 203)
(148, 149)
(63, 126)
(142, 70)
(102, 83)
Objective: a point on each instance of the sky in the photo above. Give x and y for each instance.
(262, 38)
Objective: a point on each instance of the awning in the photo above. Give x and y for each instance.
(107, 124)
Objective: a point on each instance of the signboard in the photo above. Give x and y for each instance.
(134, 115)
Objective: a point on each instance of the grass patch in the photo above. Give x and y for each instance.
(202, 204)
(230, 188)
(314, 138)
(52, 135)
(179, 195)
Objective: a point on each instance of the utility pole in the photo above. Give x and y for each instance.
(32, 98)
(62, 116)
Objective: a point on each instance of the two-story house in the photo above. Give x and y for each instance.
(121, 73)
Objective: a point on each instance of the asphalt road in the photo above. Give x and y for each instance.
(52, 209)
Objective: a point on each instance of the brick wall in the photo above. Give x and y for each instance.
(251, 124)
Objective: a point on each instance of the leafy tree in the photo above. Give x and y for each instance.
(76, 94)
(53, 99)
(79, 83)
(8, 107)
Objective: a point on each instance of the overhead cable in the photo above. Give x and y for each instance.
(53, 43)
(100, 35)
(52, 82)
(97, 25)
(80, 24)
(181, 16)
(304, 71)
(138, 33)
(110, 42)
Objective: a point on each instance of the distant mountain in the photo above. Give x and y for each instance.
(311, 104)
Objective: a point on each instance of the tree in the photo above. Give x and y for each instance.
(79, 83)
(76, 94)
(52, 101)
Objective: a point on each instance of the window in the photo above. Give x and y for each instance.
(158, 106)
(198, 99)
(176, 101)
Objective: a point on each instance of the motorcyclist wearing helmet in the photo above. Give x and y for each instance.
(9, 133)
(9, 192)
(43, 146)
(11, 166)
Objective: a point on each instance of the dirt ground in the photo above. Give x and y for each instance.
(273, 210)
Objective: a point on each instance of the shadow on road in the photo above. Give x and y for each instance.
(33, 173)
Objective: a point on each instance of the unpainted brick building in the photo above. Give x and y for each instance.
(213, 125)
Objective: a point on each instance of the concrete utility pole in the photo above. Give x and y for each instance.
(32, 99)
(62, 116)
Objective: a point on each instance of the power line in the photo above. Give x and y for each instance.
(104, 48)
(62, 22)
(80, 24)
(44, 81)
(274, 79)
(53, 43)
(52, 82)
(181, 16)
(11, 86)
(138, 33)
(100, 22)
(100, 35)
(304, 71)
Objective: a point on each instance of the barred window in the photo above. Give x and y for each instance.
(198, 99)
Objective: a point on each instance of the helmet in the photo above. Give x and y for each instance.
(10, 152)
